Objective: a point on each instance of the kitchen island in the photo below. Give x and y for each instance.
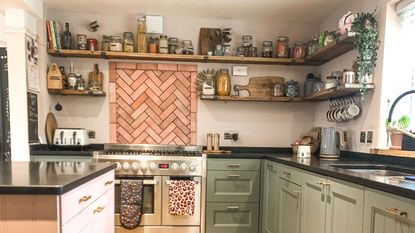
(56, 197)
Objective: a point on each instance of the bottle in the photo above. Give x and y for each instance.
(223, 83)
(66, 38)
(163, 45)
(72, 79)
(141, 36)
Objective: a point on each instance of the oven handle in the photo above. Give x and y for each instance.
(145, 182)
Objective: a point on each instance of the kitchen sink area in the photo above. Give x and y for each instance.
(376, 169)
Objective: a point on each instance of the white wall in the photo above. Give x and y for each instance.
(259, 124)
(370, 118)
(2, 33)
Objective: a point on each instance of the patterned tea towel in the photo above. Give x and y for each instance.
(131, 203)
(182, 197)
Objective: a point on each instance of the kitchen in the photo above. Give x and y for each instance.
(257, 183)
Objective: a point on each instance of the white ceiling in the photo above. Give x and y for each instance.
(282, 10)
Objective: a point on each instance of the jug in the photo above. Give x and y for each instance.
(332, 139)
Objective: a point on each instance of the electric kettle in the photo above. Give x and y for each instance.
(332, 140)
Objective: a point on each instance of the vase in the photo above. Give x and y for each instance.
(396, 140)
(223, 83)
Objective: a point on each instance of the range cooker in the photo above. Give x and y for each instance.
(157, 165)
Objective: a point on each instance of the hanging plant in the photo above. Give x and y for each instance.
(367, 43)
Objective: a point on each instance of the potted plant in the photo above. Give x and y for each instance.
(367, 43)
(397, 135)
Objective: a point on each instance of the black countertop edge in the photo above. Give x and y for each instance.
(256, 150)
(44, 149)
(54, 189)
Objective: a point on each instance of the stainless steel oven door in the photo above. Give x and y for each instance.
(184, 220)
(151, 202)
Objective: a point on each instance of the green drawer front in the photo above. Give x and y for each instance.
(233, 186)
(234, 164)
(231, 218)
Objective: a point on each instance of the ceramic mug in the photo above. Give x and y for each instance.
(349, 76)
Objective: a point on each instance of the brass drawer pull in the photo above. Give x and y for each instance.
(232, 207)
(234, 165)
(109, 182)
(397, 212)
(287, 174)
(84, 199)
(234, 176)
(99, 209)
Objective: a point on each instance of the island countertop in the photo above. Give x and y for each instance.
(48, 177)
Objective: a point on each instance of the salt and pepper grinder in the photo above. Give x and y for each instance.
(212, 142)
(216, 142)
(209, 142)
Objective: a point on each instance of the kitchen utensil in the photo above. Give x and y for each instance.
(70, 137)
(332, 140)
(50, 125)
(208, 39)
(261, 86)
(55, 78)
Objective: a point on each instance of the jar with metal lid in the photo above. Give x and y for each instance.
(81, 40)
(240, 51)
(252, 52)
(267, 49)
(247, 41)
(116, 44)
(153, 44)
(173, 44)
(312, 46)
(92, 44)
(282, 47)
(106, 43)
(292, 89)
(299, 50)
(141, 36)
(279, 90)
(227, 50)
(128, 42)
(188, 47)
(163, 44)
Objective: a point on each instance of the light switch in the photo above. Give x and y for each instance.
(240, 70)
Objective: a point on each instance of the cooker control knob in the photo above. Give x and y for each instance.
(192, 167)
(118, 168)
(183, 167)
(175, 167)
(153, 166)
(143, 166)
(134, 166)
(126, 166)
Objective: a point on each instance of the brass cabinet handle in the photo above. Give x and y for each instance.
(109, 182)
(294, 193)
(84, 199)
(287, 174)
(397, 212)
(234, 176)
(234, 165)
(323, 183)
(99, 209)
(232, 207)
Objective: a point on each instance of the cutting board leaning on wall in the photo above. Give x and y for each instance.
(261, 86)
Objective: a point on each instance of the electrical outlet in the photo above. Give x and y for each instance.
(369, 137)
(91, 133)
(362, 136)
(231, 135)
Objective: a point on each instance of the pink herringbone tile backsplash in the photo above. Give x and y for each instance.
(152, 103)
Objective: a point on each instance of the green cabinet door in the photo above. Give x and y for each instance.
(233, 186)
(232, 218)
(269, 198)
(233, 164)
(289, 203)
(386, 213)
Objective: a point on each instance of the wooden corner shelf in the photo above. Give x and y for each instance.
(252, 98)
(337, 92)
(76, 93)
(337, 48)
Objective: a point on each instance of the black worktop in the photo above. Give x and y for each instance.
(48, 177)
(393, 185)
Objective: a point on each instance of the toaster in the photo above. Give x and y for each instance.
(70, 137)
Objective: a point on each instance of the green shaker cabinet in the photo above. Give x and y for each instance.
(289, 206)
(386, 213)
(269, 201)
(232, 195)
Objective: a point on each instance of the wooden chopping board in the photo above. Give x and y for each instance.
(208, 39)
(96, 76)
(262, 86)
(50, 125)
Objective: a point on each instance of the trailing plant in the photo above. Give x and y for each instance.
(367, 43)
(403, 122)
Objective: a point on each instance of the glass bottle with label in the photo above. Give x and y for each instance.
(163, 45)
(72, 79)
(282, 47)
(208, 86)
(128, 42)
(142, 36)
(66, 38)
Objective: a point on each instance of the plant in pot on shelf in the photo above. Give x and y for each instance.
(367, 43)
(396, 135)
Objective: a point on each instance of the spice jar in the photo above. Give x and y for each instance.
(267, 49)
(208, 86)
(223, 83)
(163, 44)
(141, 36)
(279, 90)
(173, 44)
(188, 47)
(128, 42)
(282, 47)
(240, 51)
(247, 41)
(81, 40)
(292, 88)
(153, 44)
(92, 44)
(115, 44)
(252, 52)
(299, 50)
(312, 46)
(106, 43)
(227, 50)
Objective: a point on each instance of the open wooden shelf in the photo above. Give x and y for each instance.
(252, 98)
(178, 57)
(337, 92)
(76, 92)
(337, 48)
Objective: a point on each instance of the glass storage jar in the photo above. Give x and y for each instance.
(282, 47)
(299, 50)
(267, 49)
(252, 52)
(141, 36)
(173, 44)
(247, 41)
(292, 89)
(116, 44)
(106, 43)
(163, 44)
(223, 83)
(81, 41)
(188, 47)
(153, 44)
(128, 38)
(240, 51)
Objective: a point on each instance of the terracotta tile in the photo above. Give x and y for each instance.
(169, 138)
(168, 130)
(113, 133)
(121, 139)
(127, 117)
(124, 76)
(126, 65)
(154, 97)
(185, 80)
(125, 134)
(182, 98)
(193, 102)
(154, 135)
(113, 112)
(153, 87)
(138, 131)
(167, 93)
(142, 108)
(121, 94)
(153, 77)
(146, 66)
(154, 125)
(136, 74)
(139, 91)
(140, 120)
(193, 85)
(193, 122)
(179, 105)
(139, 101)
(171, 67)
(182, 117)
(139, 81)
(150, 140)
(165, 75)
(187, 68)
(123, 85)
(113, 94)
(167, 102)
(167, 121)
(124, 106)
(112, 74)
(140, 139)
(184, 90)
(184, 128)
(122, 123)
(178, 141)
(168, 112)
(154, 116)
(154, 107)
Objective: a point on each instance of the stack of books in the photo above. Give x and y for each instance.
(54, 34)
